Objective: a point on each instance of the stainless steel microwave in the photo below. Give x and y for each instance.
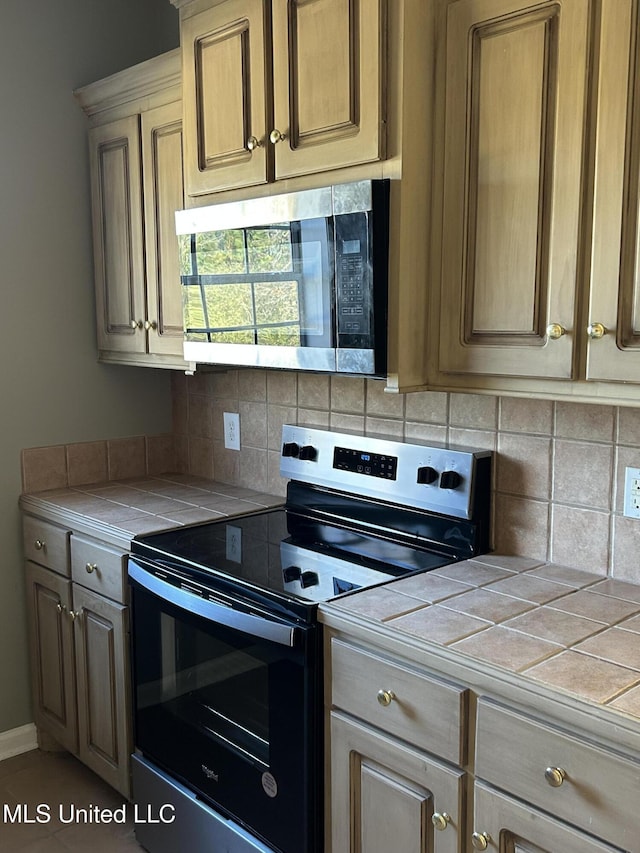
(295, 281)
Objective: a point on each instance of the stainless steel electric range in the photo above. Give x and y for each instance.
(226, 646)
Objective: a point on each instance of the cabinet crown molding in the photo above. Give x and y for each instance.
(140, 81)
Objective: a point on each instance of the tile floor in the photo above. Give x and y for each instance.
(58, 781)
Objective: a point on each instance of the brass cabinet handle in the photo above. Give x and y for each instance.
(555, 776)
(252, 143)
(91, 567)
(276, 136)
(385, 697)
(555, 331)
(137, 324)
(596, 331)
(440, 820)
(480, 840)
(39, 544)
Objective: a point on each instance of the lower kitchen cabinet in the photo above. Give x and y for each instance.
(386, 795)
(504, 824)
(79, 654)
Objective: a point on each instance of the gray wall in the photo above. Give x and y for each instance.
(52, 390)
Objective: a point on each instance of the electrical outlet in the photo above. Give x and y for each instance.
(632, 492)
(234, 543)
(231, 430)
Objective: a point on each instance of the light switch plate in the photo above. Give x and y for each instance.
(632, 492)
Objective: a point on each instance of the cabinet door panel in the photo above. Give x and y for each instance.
(117, 225)
(615, 237)
(328, 61)
(515, 827)
(163, 195)
(224, 96)
(103, 691)
(512, 185)
(383, 794)
(52, 662)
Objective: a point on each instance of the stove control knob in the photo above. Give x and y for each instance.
(308, 579)
(427, 475)
(309, 453)
(450, 480)
(291, 573)
(290, 448)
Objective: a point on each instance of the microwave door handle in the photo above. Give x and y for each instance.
(249, 623)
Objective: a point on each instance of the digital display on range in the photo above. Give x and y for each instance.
(369, 464)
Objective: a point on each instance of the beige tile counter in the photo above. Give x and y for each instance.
(563, 628)
(120, 509)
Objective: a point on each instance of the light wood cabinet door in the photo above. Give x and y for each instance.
(614, 301)
(163, 192)
(104, 707)
(116, 193)
(328, 82)
(505, 825)
(51, 651)
(515, 78)
(386, 795)
(224, 90)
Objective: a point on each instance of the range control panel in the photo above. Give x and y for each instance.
(436, 478)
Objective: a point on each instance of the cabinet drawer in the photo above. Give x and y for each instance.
(423, 710)
(46, 544)
(598, 789)
(99, 568)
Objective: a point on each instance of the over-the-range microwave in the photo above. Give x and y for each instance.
(295, 281)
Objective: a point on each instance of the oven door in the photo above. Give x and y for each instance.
(227, 700)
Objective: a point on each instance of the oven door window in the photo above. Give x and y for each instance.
(267, 285)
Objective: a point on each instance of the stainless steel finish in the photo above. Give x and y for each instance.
(286, 207)
(248, 355)
(355, 361)
(183, 821)
(259, 626)
(405, 489)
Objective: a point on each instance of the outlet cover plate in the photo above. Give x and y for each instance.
(231, 430)
(632, 492)
(234, 543)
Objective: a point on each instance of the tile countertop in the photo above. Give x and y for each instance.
(560, 627)
(122, 509)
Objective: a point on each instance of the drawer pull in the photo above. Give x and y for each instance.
(480, 840)
(385, 697)
(440, 820)
(555, 776)
(91, 567)
(39, 544)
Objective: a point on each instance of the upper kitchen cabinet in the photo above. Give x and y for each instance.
(137, 185)
(280, 88)
(613, 321)
(515, 88)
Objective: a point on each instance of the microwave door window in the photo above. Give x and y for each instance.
(265, 285)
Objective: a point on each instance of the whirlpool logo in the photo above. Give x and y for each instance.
(210, 774)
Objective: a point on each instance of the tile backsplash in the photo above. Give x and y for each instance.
(559, 469)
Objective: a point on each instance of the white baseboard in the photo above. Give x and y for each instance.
(15, 741)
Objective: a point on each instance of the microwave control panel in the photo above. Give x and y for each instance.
(353, 281)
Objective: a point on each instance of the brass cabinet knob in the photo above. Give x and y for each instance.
(555, 331)
(440, 820)
(150, 324)
(61, 608)
(39, 544)
(275, 136)
(75, 615)
(253, 143)
(91, 568)
(385, 697)
(480, 840)
(555, 776)
(137, 324)
(596, 331)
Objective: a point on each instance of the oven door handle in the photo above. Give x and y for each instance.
(221, 614)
